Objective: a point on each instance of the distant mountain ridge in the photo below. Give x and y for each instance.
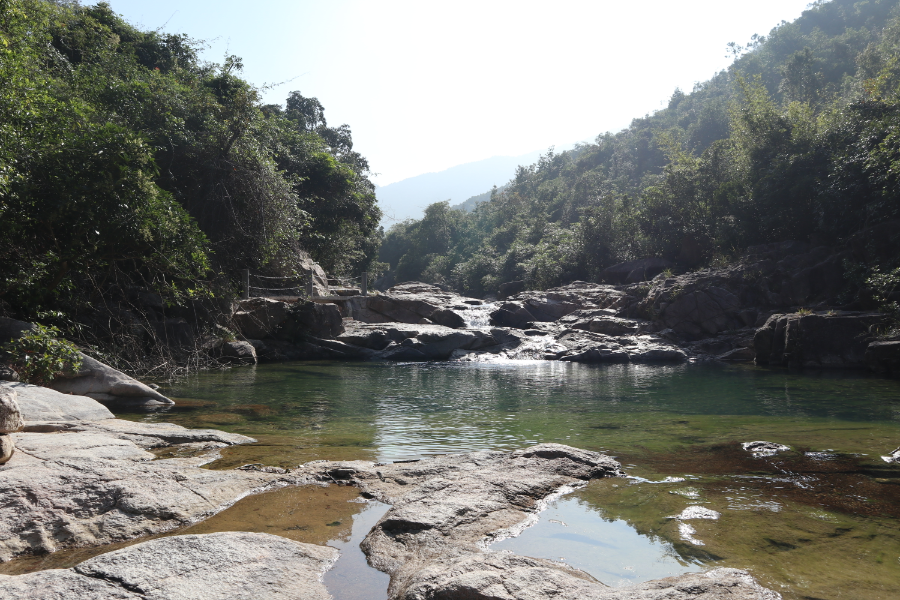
(407, 199)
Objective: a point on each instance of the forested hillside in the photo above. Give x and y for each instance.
(128, 163)
(798, 139)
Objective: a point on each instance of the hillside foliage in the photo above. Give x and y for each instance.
(127, 161)
(798, 139)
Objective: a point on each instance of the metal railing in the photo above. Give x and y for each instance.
(304, 287)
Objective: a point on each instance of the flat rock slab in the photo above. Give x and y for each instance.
(502, 576)
(43, 404)
(446, 510)
(93, 482)
(216, 566)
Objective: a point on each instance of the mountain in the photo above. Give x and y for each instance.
(408, 198)
(470, 204)
(797, 140)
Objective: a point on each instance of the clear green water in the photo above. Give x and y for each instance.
(821, 525)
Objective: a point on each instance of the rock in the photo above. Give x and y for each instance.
(257, 318)
(601, 321)
(816, 340)
(447, 509)
(89, 484)
(40, 404)
(7, 448)
(11, 329)
(402, 342)
(512, 314)
(8, 374)
(311, 319)
(510, 288)
(101, 382)
(409, 302)
(229, 565)
(635, 270)
(237, 353)
(703, 312)
(447, 318)
(511, 577)
(10, 414)
(761, 448)
(884, 356)
(589, 347)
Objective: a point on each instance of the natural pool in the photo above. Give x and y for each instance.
(819, 521)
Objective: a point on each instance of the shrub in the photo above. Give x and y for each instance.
(38, 357)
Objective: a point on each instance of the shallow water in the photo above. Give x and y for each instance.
(818, 521)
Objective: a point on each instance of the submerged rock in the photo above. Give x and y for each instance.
(762, 448)
(231, 565)
(892, 457)
(447, 509)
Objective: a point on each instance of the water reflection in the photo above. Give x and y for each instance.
(684, 422)
(611, 550)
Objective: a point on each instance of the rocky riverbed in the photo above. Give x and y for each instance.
(779, 305)
(80, 477)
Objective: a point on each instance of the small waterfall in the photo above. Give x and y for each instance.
(478, 316)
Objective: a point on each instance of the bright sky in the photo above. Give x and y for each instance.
(429, 84)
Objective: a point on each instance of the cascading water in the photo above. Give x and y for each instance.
(478, 316)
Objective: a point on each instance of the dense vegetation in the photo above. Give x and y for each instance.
(127, 163)
(798, 139)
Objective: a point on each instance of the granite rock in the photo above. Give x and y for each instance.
(215, 566)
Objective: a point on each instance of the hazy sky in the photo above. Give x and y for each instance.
(429, 84)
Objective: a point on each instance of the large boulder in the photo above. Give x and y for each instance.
(320, 279)
(11, 329)
(230, 565)
(101, 382)
(11, 419)
(40, 404)
(701, 312)
(412, 302)
(884, 356)
(586, 347)
(512, 314)
(93, 482)
(237, 353)
(402, 342)
(817, 340)
(305, 319)
(258, 318)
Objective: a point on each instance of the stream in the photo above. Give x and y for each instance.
(816, 521)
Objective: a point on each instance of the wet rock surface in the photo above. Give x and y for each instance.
(447, 509)
(432, 542)
(232, 566)
(82, 478)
